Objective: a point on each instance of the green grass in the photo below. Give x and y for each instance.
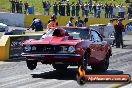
(5, 4)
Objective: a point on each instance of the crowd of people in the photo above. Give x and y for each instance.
(77, 9)
(17, 6)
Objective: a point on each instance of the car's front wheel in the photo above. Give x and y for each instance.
(31, 64)
(102, 67)
(59, 67)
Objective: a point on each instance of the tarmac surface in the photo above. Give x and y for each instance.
(15, 74)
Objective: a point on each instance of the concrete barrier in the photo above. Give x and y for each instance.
(4, 47)
(23, 20)
(12, 19)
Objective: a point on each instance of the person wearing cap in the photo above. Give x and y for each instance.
(52, 22)
(36, 25)
(70, 22)
(79, 22)
(119, 28)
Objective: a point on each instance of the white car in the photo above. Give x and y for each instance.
(106, 31)
(3, 27)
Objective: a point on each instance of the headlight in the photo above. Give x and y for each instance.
(71, 49)
(33, 48)
(27, 48)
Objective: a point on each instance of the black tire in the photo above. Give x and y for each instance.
(84, 61)
(59, 67)
(102, 67)
(31, 64)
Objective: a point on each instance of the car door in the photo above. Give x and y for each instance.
(97, 46)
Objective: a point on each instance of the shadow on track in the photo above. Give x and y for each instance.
(70, 74)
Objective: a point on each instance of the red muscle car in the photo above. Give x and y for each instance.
(64, 46)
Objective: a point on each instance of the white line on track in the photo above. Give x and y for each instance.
(61, 84)
(4, 80)
(37, 84)
(14, 82)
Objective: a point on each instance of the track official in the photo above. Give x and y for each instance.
(119, 28)
(36, 25)
(52, 22)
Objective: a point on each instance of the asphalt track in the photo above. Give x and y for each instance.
(14, 73)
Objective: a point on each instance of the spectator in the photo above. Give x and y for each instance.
(12, 6)
(55, 8)
(119, 27)
(77, 9)
(68, 9)
(63, 9)
(26, 6)
(70, 22)
(83, 10)
(129, 12)
(80, 1)
(122, 11)
(48, 7)
(99, 6)
(44, 7)
(110, 10)
(106, 7)
(95, 9)
(86, 8)
(20, 7)
(60, 12)
(114, 11)
(111, 30)
(73, 9)
(79, 22)
(90, 5)
(17, 6)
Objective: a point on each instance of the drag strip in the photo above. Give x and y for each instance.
(15, 74)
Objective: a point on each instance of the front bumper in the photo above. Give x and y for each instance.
(53, 57)
(50, 55)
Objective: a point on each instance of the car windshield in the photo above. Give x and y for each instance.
(77, 33)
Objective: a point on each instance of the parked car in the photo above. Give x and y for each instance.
(3, 27)
(64, 46)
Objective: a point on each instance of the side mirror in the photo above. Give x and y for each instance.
(101, 38)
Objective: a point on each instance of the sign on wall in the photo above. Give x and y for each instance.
(16, 44)
(128, 27)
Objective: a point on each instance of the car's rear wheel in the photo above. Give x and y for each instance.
(59, 67)
(102, 67)
(84, 61)
(31, 64)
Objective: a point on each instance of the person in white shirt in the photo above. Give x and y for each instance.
(122, 10)
(70, 22)
(110, 28)
(119, 10)
(86, 8)
(114, 11)
(99, 7)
